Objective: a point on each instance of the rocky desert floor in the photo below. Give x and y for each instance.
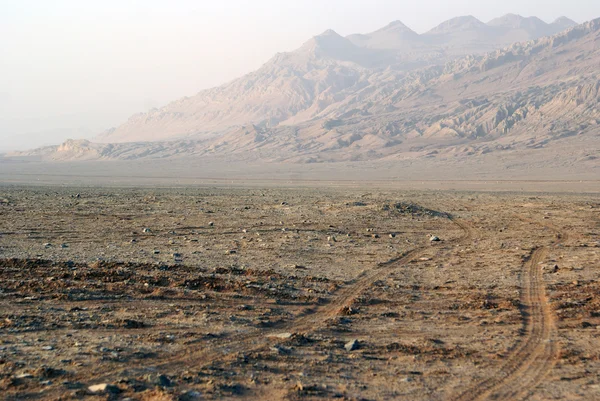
(248, 293)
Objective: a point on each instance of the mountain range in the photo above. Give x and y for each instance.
(297, 86)
(463, 89)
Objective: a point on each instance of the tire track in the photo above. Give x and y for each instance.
(310, 321)
(536, 353)
(319, 316)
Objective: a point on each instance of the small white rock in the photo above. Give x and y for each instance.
(282, 336)
(104, 388)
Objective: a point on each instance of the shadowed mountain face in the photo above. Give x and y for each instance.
(361, 98)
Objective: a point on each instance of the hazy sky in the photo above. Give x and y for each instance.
(73, 68)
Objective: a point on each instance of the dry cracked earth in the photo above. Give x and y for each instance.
(294, 294)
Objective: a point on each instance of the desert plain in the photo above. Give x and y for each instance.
(386, 215)
(307, 292)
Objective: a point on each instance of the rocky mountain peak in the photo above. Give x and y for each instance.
(564, 22)
(397, 26)
(327, 40)
(395, 35)
(329, 33)
(463, 23)
(515, 21)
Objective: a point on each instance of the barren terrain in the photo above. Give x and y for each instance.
(250, 293)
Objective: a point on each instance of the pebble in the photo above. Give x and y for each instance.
(191, 394)
(351, 345)
(104, 388)
(281, 350)
(164, 381)
(282, 336)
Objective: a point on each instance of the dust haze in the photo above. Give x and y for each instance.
(284, 201)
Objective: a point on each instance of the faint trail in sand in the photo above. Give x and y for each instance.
(312, 320)
(536, 353)
(322, 313)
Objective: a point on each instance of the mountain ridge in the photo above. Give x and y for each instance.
(533, 96)
(294, 86)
